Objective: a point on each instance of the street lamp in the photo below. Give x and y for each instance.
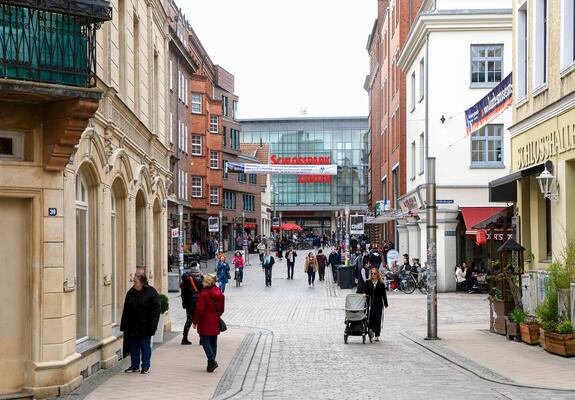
(546, 184)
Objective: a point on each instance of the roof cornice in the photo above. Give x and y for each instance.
(455, 22)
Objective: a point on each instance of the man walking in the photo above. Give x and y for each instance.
(290, 258)
(334, 261)
(321, 264)
(190, 287)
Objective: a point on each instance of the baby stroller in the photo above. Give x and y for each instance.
(356, 317)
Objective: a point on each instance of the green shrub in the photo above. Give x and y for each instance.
(164, 303)
(564, 327)
(517, 316)
(549, 326)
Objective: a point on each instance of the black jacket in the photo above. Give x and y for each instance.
(189, 294)
(271, 263)
(334, 259)
(141, 312)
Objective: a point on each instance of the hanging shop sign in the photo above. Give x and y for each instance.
(381, 206)
(411, 203)
(213, 224)
(489, 107)
(175, 232)
(356, 224)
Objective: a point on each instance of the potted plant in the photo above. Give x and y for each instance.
(559, 339)
(164, 307)
(512, 322)
(529, 331)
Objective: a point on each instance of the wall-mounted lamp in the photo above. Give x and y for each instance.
(547, 183)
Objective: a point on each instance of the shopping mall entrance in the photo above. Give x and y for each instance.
(313, 223)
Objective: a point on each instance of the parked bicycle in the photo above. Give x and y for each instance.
(408, 283)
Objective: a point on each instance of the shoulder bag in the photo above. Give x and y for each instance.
(223, 327)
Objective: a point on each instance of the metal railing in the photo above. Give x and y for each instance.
(43, 46)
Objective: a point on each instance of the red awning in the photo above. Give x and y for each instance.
(474, 215)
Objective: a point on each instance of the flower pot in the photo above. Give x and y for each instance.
(159, 336)
(529, 333)
(498, 309)
(563, 345)
(512, 330)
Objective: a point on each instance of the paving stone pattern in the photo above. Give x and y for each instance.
(303, 355)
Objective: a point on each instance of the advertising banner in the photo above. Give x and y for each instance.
(489, 107)
(356, 224)
(278, 169)
(213, 224)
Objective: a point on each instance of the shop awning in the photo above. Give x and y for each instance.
(504, 189)
(474, 215)
(382, 219)
(497, 219)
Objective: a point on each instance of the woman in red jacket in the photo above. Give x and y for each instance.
(207, 318)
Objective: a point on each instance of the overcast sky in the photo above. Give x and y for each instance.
(289, 55)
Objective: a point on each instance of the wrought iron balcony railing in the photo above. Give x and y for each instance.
(51, 41)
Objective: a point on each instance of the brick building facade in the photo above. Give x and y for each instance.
(386, 88)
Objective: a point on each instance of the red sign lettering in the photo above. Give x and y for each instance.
(305, 179)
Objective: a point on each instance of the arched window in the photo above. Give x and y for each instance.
(82, 264)
(118, 245)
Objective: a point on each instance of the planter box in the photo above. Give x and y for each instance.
(498, 309)
(529, 333)
(159, 336)
(512, 329)
(564, 345)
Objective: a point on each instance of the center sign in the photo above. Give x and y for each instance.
(305, 161)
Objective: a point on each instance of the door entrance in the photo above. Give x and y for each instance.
(14, 296)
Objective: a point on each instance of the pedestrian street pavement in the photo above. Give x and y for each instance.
(287, 343)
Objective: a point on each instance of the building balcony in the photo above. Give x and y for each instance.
(48, 57)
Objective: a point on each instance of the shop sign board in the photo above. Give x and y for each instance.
(356, 224)
(213, 224)
(175, 232)
(410, 203)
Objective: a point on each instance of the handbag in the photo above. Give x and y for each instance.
(222, 325)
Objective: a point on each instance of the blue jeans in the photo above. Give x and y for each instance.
(140, 345)
(210, 345)
(222, 287)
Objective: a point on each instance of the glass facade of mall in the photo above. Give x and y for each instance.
(343, 140)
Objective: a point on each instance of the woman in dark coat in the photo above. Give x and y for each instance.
(375, 290)
(363, 273)
(139, 322)
(210, 307)
(267, 266)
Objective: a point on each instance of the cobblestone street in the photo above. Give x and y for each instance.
(304, 354)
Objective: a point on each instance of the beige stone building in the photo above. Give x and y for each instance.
(542, 135)
(83, 175)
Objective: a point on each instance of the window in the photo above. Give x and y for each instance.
(214, 123)
(235, 139)
(136, 62)
(185, 137)
(421, 79)
(486, 146)
(186, 85)
(235, 110)
(171, 76)
(253, 179)
(171, 127)
(241, 177)
(11, 146)
(197, 186)
(225, 170)
(224, 133)
(413, 91)
(567, 34)
(196, 145)
(421, 153)
(214, 195)
(179, 85)
(413, 160)
(82, 259)
(521, 79)
(249, 202)
(540, 44)
(224, 106)
(486, 65)
(214, 159)
(229, 200)
(196, 103)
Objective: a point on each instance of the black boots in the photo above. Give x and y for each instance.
(212, 365)
(186, 341)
